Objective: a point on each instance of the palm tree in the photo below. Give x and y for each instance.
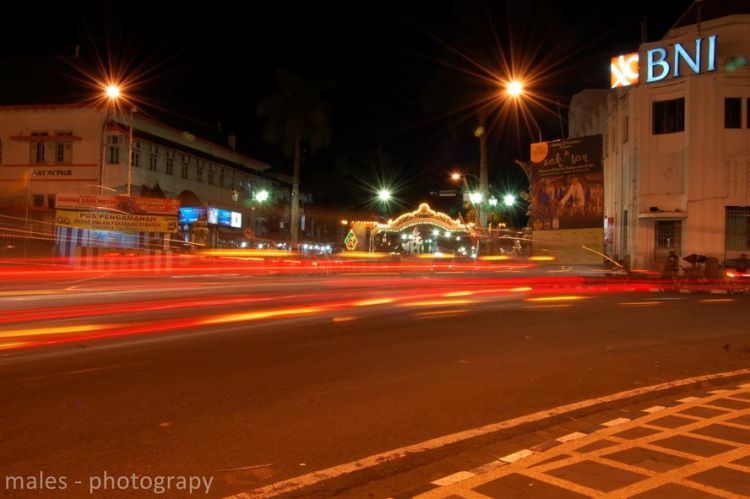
(295, 114)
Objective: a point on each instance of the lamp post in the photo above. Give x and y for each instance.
(476, 197)
(258, 197)
(384, 196)
(113, 94)
(515, 89)
(130, 151)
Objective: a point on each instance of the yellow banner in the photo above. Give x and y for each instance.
(120, 222)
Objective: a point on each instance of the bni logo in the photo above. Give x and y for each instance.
(623, 70)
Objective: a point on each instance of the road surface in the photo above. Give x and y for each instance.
(250, 381)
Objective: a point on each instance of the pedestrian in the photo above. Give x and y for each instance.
(671, 266)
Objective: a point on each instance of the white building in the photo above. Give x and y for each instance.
(46, 150)
(677, 144)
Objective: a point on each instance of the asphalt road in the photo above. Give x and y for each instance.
(251, 382)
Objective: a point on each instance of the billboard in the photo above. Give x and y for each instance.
(118, 203)
(121, 222)
(236, 221)
(567, 184)
(225, 218)
(190, 214)
(212, 215)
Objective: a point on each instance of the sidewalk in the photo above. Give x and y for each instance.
(696, 447)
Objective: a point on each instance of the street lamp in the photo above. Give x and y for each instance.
(384, 195)
(515, 89)
(258, 197)
(509, 200)
(113, 93)
(261, 196)
(475, 197)
(493, 201)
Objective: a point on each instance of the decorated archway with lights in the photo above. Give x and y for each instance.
(419, 232)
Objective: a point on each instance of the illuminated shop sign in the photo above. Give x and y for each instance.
(189, 215)
(212, 216)
(663, 62)
(236, 220)
(623, 70)
(225, 218)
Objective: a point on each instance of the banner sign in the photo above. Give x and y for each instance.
(225, 218)
(567, 184)
(120, 222)
(191, 214)
(118, 203)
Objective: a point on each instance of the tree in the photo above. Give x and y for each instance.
(295, 114)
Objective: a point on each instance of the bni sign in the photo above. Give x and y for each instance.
(663, 62)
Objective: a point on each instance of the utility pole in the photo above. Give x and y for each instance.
(294, 215)
(481, 133)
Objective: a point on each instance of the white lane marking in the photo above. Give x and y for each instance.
(654, 409)
(571, 436)
(451, 479)
(512, 458)
(687, 400)
(714, 392)
(488, 467)
(616, 422)
(301, 481)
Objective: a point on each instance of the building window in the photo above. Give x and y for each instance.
(737, 229)
(113, 149)
(184, 172)
(136, 160)
(668, 235)
(221, 177)
(152, 163)
(669, 116)
(170, 167)
(38, 200)
(211, 174)
(733, 112)
(63, 152)
(198, 174)
(38, 153)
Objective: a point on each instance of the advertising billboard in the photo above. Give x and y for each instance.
(118, 203)
(190, 214)
(236, 220)
(225, 217)
(567, 184)
(212, 215)
(122, 222)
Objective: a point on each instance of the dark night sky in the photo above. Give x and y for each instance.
(396, 82)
